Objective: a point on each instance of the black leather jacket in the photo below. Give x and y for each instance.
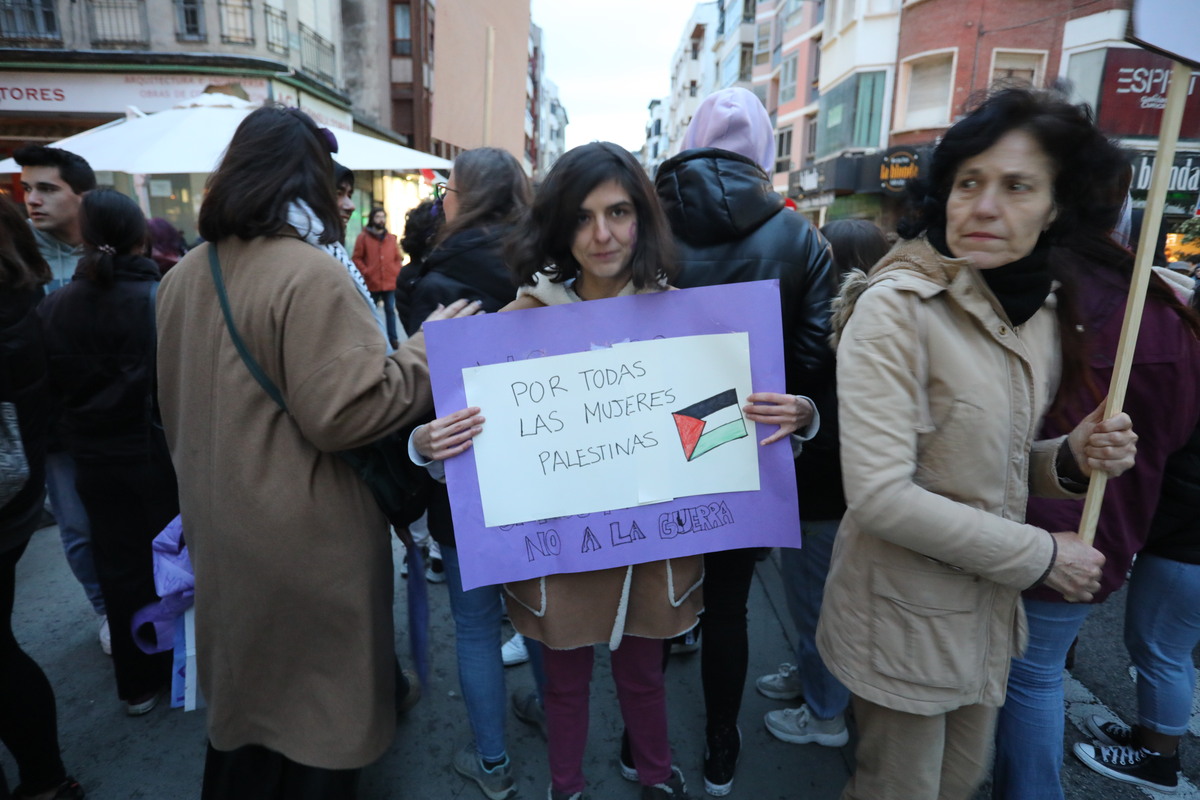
(467, 265)
(732, 227)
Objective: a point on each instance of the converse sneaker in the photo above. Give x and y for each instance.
(105, 636)
(1107, 732)
(799, 726)
(496, 782)
(628, 770)
(781, 685)
(514, 651)
(720, 760)
(435, 571)
(673, 788)
(1137, 766)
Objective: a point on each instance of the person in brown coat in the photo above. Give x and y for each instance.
(291, 554)
(377, 256)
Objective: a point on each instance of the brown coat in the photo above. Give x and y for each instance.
(292, 556)
(378, 260)
(656, 600)
(940, 399)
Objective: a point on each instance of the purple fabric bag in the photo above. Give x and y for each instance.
(175, 583)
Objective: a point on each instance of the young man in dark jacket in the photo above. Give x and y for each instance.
(731, 226)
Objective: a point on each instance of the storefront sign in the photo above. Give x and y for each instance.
(1183, 187)
(1134, 93)
(323, 113)
(111, 92)
(897, 167)
(804, 182)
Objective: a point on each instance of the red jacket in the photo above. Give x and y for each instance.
(378, 259)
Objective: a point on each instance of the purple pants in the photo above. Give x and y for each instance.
(638, 673)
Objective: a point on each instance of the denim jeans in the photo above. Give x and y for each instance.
(804, 574)
(477, 616)
(73, 525)
(1029, 733)
(1162, 627)
(389, 311)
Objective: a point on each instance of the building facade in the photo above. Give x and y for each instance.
(693, 72)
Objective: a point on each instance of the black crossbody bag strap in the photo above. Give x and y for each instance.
(266, 383)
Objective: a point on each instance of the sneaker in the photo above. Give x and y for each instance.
(105, 636)
(1136, 766)
(781, 685)
(686, 643)
(555, 794)
(514, 651)
(672, 789)
(799, 726)
(1107, 732)
(435, 572)
(526, 708)
(411, 685)
(720, 760)
(497, 783)
(141, 705)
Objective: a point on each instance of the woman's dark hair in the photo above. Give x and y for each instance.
(543, 242)
(21, 263)
(277, 156)
(1085, 163)
(856, 244)
(492, 190)
(112, 225)
(421, 225)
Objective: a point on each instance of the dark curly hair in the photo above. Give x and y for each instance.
(421, 225)
(542, 243)
(1086, 163)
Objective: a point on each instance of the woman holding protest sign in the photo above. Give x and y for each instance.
(596, 231)
(950, 352)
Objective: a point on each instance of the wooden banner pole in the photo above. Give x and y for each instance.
(1156, 197)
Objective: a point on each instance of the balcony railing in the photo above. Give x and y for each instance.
(277, 31)
(317, 55)
(29, 22)
(237, 21)
(118, 22)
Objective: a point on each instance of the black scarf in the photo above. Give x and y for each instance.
(1021, 286)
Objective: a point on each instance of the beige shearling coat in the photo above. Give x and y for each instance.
(293, 564)
(939, 402)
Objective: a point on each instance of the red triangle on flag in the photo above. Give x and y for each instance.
(690, 429)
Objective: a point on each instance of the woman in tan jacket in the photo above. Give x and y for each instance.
(291, 554)
(946, 365)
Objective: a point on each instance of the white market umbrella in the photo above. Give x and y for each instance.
(192, 137)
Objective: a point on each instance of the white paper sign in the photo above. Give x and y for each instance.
(640, 422)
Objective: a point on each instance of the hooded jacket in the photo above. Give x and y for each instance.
(732, 227)
(467, 265)
(61, 257)
(941, 398)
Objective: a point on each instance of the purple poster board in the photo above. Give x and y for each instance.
(685, 526)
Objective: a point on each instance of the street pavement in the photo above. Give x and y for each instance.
(161, 755)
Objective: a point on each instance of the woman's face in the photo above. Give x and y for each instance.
(450, 200)
(1000, 202)
(606, 233)
(345, 198)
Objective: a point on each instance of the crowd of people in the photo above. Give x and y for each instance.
(943, 396)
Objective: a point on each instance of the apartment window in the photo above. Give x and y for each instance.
(729, 69)
(693, 89)
(1017, 69)
(929, 81)
(189, 21)
(401, 30)
(762, 44)
(787, 81)
(783, 150)
(658, 127)
(792, 12)
(820, 15)
(746, 70)
(277, 31)
(814, 70)
(851, 114)
(118, 22)
(29, 19)
(749, 9)
(810, 140)
(237, 21)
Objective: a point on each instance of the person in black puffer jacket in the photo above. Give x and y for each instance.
(731, 227)
(100, 339)
(487, 192)
(28, 717)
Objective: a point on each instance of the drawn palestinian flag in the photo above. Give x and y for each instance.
(709, 424)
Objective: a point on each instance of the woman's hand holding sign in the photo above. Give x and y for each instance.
(448, 436)
(790, 412)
